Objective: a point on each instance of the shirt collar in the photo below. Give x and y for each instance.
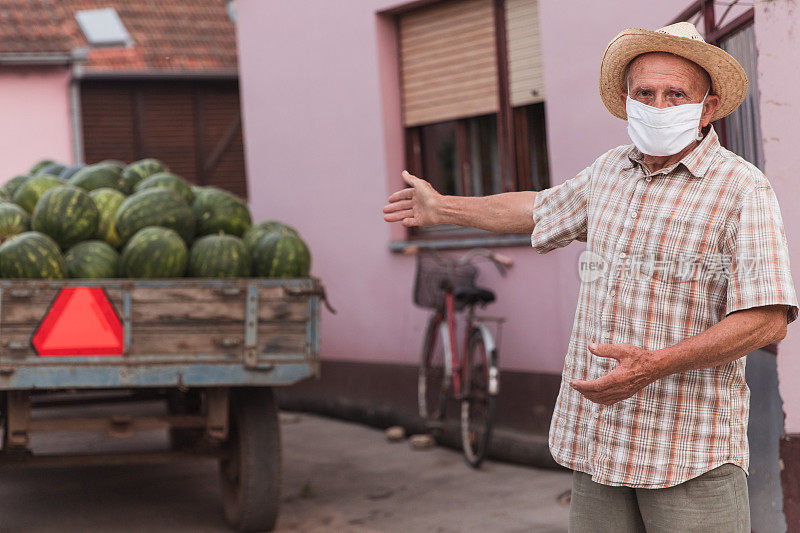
(697, 162)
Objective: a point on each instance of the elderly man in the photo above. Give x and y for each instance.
(653, 407)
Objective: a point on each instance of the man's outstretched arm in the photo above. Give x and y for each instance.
(421, 205)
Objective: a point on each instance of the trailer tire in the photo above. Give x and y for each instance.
(251, 471)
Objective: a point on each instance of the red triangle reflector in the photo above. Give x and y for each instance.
(81, 321)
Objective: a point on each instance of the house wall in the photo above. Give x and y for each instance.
(34, 105)
(778, 42)
(324, 149)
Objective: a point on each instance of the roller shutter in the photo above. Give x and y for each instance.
(448, 62)
(524, 52)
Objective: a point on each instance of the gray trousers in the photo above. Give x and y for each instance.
(714, 502)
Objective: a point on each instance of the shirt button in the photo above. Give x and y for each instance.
(622, 255)
(633, 214)
(606, 334)
(648, 179)
(612, 292)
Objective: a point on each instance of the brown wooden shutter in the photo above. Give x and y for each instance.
(107, 116)
(168, 125)
(525, 67)
(193, 127)
(222, 154)
(448, 62)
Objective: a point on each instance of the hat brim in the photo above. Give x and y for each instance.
(728, 78)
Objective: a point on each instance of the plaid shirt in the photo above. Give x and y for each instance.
(668, 255)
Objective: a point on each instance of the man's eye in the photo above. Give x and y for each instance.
(678, 94)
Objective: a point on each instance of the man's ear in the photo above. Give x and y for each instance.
(712, 101)
(623, 96)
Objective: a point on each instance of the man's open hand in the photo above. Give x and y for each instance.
(636, 368)
(415, 206)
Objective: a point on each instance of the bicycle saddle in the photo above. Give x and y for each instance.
(473, 295)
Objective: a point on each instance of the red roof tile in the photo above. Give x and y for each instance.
(174, 36)
(35, 26)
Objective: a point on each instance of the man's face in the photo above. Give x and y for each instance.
(662, 80)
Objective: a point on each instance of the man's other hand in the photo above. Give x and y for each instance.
(414, 206)
(634, 371)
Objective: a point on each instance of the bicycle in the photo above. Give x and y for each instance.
(471, 376)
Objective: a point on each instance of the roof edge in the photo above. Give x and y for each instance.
(218, 74)
(39, 58)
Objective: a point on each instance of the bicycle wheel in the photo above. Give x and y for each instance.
(431, 383)
(477, 405)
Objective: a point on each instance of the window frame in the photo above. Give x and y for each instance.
(513, 148)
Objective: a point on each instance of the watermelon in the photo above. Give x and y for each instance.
(139, 170)
(13, 220)
(155, 207)
(29, 192)
(54, 169)
(170, 181)
(108, 201)
(97, 176)
(68, 172)
(280, 255)
(220, 211)
(120, 165)
(154, 252)
(31, 255)
(92, 259)
(15, 183)
(67, 214)
(40, 165)
(256, 231)
(219, 256)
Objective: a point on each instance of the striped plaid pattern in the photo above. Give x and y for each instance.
(677, 251)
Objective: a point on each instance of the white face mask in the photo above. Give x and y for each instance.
(663, 131)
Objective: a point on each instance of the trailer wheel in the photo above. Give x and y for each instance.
(251, 470)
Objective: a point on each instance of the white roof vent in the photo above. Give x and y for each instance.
(103, 27)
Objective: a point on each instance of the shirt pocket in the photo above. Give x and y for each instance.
(683, 250)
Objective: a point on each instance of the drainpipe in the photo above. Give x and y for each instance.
(79, 56)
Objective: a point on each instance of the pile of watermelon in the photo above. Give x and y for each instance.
(140, 220)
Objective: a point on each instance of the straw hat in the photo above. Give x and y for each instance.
(728, 79)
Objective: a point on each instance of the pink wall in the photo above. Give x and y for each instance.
(778, 46)
(34, 105)
(324, 150)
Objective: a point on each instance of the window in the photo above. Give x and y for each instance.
(439, 157)
(729, 25)
(473, 98)
(742, 127)
(103, 27)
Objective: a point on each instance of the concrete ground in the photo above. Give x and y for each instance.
(338, 477)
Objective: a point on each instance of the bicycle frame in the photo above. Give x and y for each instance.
(452, 355)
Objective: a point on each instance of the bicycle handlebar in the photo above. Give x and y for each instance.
(500, 261)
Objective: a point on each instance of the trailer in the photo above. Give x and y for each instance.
(211, 349)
